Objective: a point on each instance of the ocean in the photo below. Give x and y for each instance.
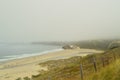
(17, 51)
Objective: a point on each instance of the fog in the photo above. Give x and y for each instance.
(58, 20)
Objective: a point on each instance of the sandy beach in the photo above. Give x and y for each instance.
(13, 69)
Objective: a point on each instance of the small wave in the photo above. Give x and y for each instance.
(6, 58)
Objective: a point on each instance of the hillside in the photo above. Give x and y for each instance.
(111, 72)
(98, 44)
(69, 69)
(103, 66)
(89, 44)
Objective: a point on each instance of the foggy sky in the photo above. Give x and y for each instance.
(51, 20)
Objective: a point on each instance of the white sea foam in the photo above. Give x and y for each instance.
(6, 58)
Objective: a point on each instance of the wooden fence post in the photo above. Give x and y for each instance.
(103, 63)
(108, 61)
(95, 64)
(81, 71)
(114, 55)
(49, 78)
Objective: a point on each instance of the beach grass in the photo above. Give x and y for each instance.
(69, 69)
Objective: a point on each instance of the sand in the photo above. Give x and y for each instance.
(13, 69)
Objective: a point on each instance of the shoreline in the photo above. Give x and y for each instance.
(28, 66)
(28, 55)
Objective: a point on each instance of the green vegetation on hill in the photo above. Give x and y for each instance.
(97, 44)
(111, 72)
(90, 44)
(69, 69)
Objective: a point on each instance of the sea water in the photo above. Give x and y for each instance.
(16, 51)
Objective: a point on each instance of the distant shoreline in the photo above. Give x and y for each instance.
(17, 51)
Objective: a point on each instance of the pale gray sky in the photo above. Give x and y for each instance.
(44, 20)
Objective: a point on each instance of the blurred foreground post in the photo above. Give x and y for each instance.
(81, 71)
(103, 63)
(95, 64)
(114, 55)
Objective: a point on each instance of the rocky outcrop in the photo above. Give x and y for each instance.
(70, 47)
(114, 44)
